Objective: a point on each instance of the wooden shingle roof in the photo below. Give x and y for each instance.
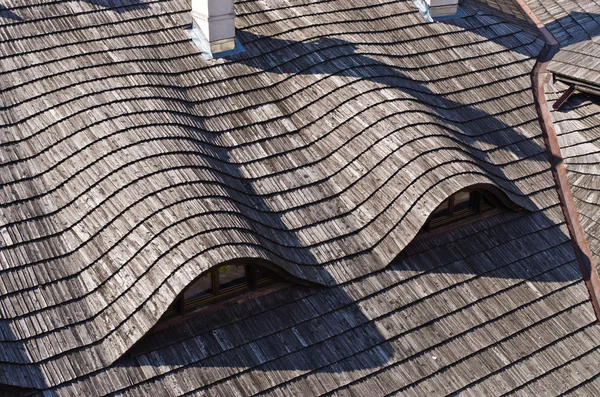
(509, 10)
(576, 26)
(129, 165)
(449, 316)
(579, 135)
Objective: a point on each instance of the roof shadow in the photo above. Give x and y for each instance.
(120, 6)
(575, 27)
(9, 14)
(276, 332)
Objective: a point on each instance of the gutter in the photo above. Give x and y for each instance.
(539, 77)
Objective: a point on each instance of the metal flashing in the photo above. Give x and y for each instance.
(438, 13)
(198, 37)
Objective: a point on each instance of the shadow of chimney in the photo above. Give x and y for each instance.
(6, 13)
(119, 6)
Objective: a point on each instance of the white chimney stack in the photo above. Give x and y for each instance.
(441, 8)
(216, 20)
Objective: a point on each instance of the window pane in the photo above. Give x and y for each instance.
(232, 276)
(462, 201)
(261, 274)
(200, 288)
(441, 211)
(486, 203)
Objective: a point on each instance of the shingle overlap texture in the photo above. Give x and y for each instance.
(579, 134)
(576, 25)
(130, 165)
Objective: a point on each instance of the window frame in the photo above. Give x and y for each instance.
(485, 200)
(252, 283)
(277, 278)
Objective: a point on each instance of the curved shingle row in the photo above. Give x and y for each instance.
(130, 165)
(446, 310)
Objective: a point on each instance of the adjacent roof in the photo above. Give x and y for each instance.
(578, 131)
(130, 165)
(511, 11)
(576, 26)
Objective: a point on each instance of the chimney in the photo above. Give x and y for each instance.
(216, 20)
(442, 8)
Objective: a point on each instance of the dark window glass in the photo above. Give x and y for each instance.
(200, 288)
(232, 276)
(219, 283)
(486, 202)
(461, 205)
(462, 202)
(261, 274)
(441, 211)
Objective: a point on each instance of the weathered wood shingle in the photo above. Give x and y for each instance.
(130, 165)
(448, 316)
(579, 135)
(576, 26)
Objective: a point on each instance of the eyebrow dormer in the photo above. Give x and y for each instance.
(216, 20)
(466, 206)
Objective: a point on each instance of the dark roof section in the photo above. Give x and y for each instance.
(570, 21)
(506, 314)
(576, 26)
(129, 165)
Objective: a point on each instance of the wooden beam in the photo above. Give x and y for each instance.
(564, 98)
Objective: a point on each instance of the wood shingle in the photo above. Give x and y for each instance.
(130, 165)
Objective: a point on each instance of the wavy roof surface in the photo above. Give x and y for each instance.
(130, 165)
(507, 315)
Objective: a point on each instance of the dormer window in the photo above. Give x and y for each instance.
(221, 283)
(463, 207)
